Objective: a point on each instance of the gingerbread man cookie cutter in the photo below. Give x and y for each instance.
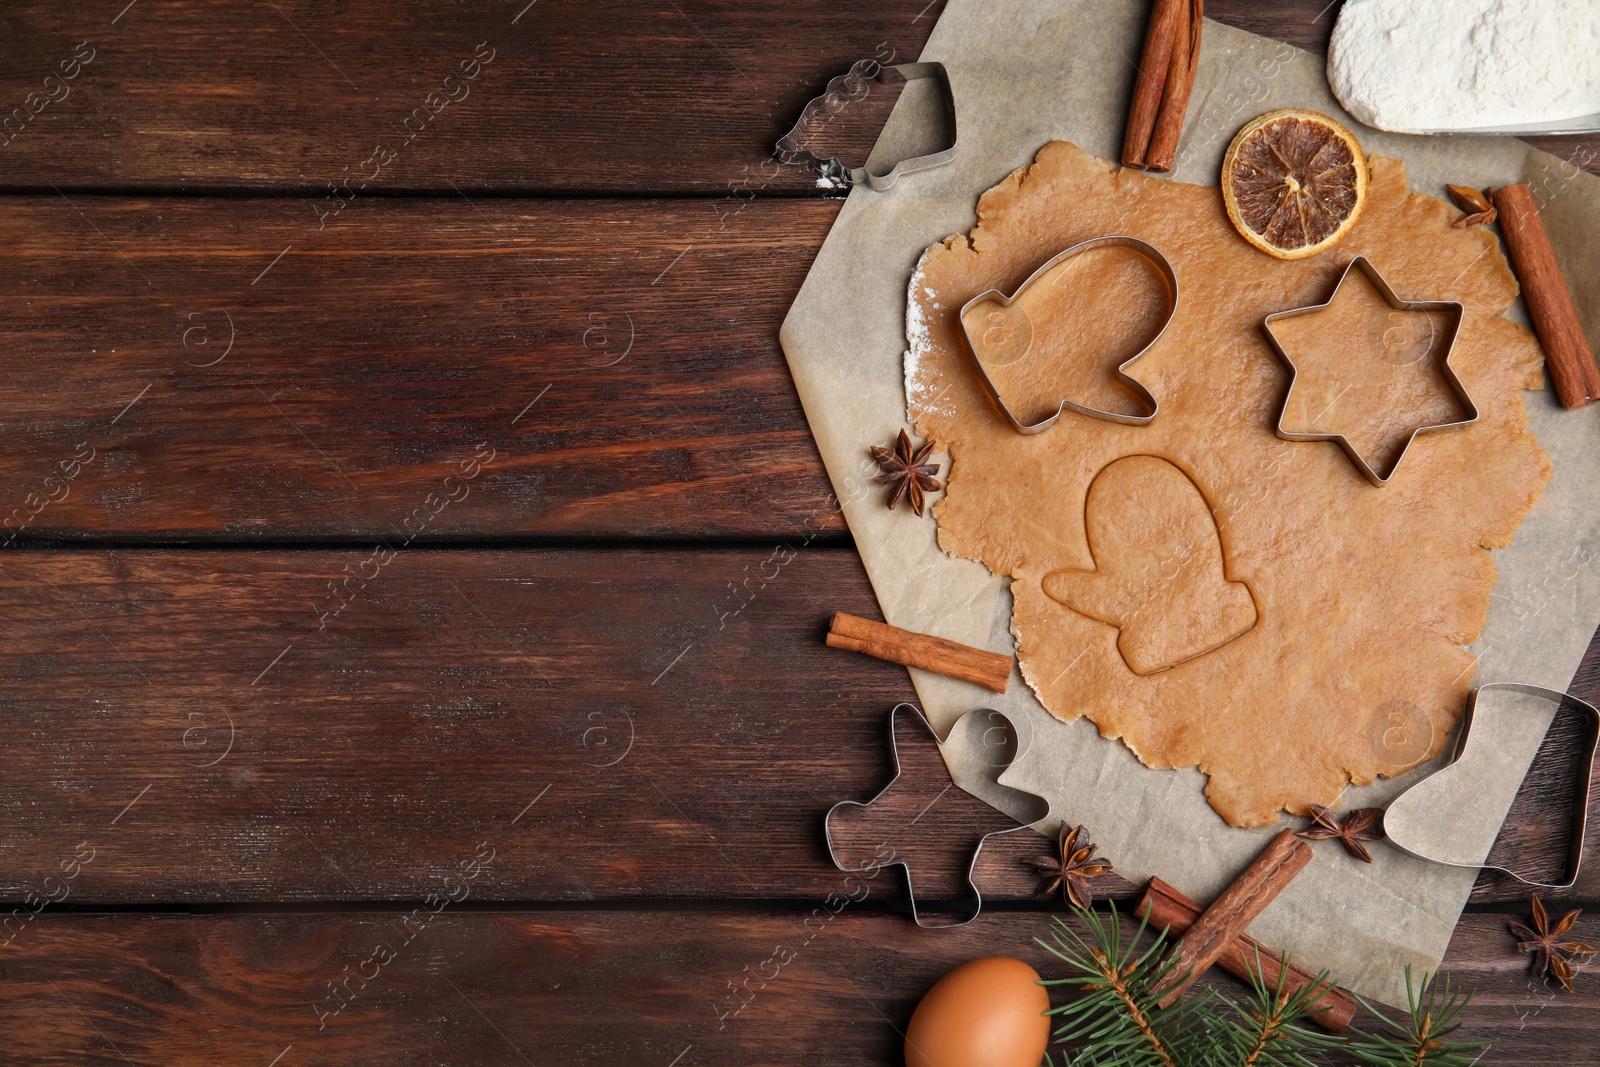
(895, 857)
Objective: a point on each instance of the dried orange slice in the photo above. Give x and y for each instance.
(1294, 182)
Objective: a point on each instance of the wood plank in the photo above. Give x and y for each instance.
(1303, 23)
(582, 987)
(568, 95)
(624, 724)
(620, 358)
(220, 726)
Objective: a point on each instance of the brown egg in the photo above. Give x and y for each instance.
(987, 1013)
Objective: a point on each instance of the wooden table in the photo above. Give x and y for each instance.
(539, 778)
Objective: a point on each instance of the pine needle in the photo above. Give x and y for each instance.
(1435, 1014)
(1114, 1020)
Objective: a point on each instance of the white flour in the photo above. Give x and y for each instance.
(919, 344)
(1409, 65)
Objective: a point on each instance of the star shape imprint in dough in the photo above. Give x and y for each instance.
(1369, 371)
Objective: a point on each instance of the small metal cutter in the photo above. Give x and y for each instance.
(1365, 266)
(1580, 816)
(841, 90)
(995, 296)
(900, 861)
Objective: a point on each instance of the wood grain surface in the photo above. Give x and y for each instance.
(303, 368)
(687, 96)
(831, 983)
(337, 724)
(238, 372)
(625, 724)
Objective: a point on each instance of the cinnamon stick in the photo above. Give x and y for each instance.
(1181, 69)
(1164, 906)
(1166, 19)
(949, 658)
(1221, 924)
(1544, 290)
(1165, 79)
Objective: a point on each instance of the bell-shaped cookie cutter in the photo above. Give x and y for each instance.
(1365, 266)
(995, 296)
(972, 864)
(841, 90)
(1580, 815)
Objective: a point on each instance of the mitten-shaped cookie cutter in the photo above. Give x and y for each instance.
(1133, 385)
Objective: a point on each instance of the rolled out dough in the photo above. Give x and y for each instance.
(1354, 601)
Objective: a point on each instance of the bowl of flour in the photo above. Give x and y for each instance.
(1442, 65)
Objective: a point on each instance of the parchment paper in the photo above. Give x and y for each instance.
(1025, 72)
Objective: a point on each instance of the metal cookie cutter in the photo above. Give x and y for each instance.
(995, 296)
(1365, 266)
(1420, 802)
(913, 810)
(855, 85)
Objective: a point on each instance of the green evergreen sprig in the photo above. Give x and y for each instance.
(1115, 1020)
(1435, 1015)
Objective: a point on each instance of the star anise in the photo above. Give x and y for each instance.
(1071, 871)
(909, 472)
(1352, 830)
(1474, 203)
(1551, 955)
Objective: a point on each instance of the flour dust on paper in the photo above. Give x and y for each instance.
(1206, 592)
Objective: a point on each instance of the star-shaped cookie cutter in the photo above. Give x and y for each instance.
(911, 891)
(1365, 266)
(1133, 385)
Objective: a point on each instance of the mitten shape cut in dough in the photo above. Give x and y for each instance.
(1159, 572)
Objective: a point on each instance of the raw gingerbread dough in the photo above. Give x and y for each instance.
(1308, 631)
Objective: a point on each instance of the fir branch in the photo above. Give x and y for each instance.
(1115, 1012)
(1116, 1022)
(1270, 1036)
(1422, 1042)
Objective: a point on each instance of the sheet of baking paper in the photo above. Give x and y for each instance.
(1025, 72)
